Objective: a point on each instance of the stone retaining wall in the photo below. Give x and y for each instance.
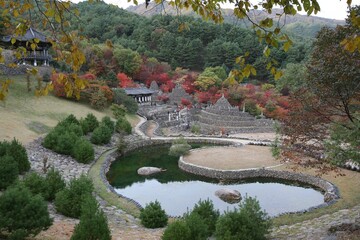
(331, 193)
(135, 144)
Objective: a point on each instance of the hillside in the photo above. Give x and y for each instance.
(301, 25)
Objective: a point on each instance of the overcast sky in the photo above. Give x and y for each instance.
(334, 9)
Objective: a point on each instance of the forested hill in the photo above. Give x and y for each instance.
(301, 25)
(201, 44)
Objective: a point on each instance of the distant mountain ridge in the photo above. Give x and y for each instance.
(298, 24)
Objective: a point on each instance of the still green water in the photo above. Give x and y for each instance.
(178, 191)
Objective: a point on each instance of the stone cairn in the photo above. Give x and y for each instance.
(222, 116)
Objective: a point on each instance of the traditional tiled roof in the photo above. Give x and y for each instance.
(29, 35)
(138, 91)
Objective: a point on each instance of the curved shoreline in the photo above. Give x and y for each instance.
(330, 190)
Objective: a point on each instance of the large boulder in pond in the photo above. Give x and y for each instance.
(145, 171)
(228, 195)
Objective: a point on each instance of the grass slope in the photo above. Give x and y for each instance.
(26, 117)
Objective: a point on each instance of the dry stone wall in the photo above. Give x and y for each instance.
(331, 193)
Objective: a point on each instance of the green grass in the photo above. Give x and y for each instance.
(101, 189)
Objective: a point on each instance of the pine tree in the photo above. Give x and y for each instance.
(93, 223)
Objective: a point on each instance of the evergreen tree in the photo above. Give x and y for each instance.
(21, 213)
(93, 223)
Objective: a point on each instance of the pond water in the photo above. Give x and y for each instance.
(178, 191)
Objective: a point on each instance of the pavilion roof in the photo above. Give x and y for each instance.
(29, 35)
(138, 91)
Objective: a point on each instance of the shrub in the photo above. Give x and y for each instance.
(8, 171)
(198, 227)
(249, 222)
(55, 183)
(119, 111)
(109, 123)
(93, 223)
(195, 129)
(178, 150)
(92, 121)
(36, 184)
(69, 120)
(205, 209)
(68, 201)
(21, 213)
(65, 143)
(177, 230)
(153, 216)
(50, 139)
(98, 100)
(16, 150)
(120, 97)
(123, 126)
(121, 144)
(85, 126)
(101, 135)
(83, 151)
(74, 128)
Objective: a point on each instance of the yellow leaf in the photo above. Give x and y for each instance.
(278, 75)
(13, 40)
(33, 46)
(267, 51)
(287, 45)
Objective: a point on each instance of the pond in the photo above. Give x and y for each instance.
(178, 191)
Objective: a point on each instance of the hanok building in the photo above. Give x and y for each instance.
(37, 56)
(141, 95)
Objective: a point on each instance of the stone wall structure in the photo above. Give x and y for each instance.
(223, 117)
(177, 94)
(331, 193)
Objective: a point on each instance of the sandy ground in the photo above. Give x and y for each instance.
(232, 158)
(255, 136)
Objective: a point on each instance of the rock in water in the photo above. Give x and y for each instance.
(145, 171)
(228, 195)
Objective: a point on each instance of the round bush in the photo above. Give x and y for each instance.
(153, 216)
(21, 213)
(83, 151)
(109, 123)
(84, 126)
(50, 139)
(123, 126)
(177, 230)
(91, 121)
(71, 119)
(65, 143)
(120, 97)
(8, 171)
(75, 129)
(55, 183)
(178, 150)
(18, 152)
(36, 184)
(101, 135)
(68, 201)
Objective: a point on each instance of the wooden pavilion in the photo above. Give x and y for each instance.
(35, 57)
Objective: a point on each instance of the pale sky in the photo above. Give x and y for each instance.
(334, 9)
